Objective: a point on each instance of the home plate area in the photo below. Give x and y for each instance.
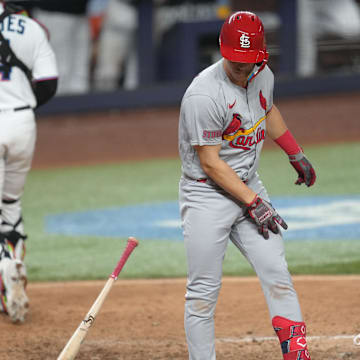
(309, 218)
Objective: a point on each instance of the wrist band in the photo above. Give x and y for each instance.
(288, 143)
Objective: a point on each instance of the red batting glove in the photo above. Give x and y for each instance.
(304, 169)
(265, 216)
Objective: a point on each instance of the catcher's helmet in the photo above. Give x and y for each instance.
(242, 38)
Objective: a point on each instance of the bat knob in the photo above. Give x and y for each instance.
(132, 239)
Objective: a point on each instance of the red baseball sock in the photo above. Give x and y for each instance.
(292, 337)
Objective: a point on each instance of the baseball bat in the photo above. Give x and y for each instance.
(72, 347)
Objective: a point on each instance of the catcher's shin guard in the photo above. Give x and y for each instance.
(15, 244)
(292, 337)
(4, 252)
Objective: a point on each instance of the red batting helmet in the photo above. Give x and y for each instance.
(242, 38)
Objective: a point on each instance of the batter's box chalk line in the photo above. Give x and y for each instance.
(250, 339)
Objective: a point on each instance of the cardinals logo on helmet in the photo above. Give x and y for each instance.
(244, 41)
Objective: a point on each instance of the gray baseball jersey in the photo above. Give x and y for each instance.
(216, 111)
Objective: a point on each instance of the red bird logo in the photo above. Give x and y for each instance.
(262, 100)
(234, 125)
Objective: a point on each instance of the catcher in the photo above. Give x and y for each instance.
(28, 79)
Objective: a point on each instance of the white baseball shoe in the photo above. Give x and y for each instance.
(13, 281)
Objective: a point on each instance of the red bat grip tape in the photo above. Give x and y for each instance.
(131, 245)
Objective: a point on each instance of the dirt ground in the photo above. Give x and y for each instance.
(143, 319)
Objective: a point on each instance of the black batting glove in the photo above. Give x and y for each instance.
(265, 216)
(304, 169)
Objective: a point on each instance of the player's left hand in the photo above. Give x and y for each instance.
(304, 169)
(265, 216)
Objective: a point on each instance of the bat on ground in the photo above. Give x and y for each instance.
(73, 345)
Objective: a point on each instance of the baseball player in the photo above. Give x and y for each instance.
(225, 115)
(28, 79)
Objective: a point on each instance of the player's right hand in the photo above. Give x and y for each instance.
(265, 216)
